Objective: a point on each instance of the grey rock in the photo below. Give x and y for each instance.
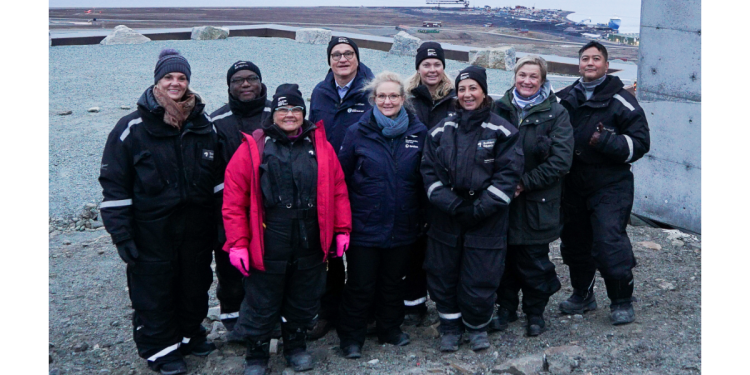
(416, 370)
(313, 36)
(96, 224)
(124, 35)
(214, 313)
(578, 317)
(124, 107)
(494, 58)
(66, 242)
(373, 361)
(209, 33)
(405, 44)
(215, 334)
(94, 109)
(678, 243)
(81, 347)
(288, 371)
(528, 365)
(63, 113)
(563, 359)
(89, 205)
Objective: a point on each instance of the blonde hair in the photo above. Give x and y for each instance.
(443, 88)
(533, 60)
(383, 77)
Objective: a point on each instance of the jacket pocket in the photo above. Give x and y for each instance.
(150, 285)
(543, 209)
(147, 172)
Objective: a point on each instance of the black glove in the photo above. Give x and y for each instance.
(128, 252)
(465, 215)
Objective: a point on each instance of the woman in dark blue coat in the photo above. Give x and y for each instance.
(381, 157)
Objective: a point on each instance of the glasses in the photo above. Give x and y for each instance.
(382, 97)
(294, 110)
(337, 56)
(250, 80)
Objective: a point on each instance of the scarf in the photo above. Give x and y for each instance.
(588, 87)
(392, 128)
(524, 104)
(175, 113)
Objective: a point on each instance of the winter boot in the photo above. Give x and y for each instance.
(175, 367)
(534, 325)
(450, 334)
(295, 348)
(478, 340)
(256, 357)
(397, 338)
(622, 314)
(197, 346)
(620, 293)
(501, 319)
(322, 326)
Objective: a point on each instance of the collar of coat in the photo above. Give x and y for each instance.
(250, 108)
(364, 74)
(506, 103)
(603, 93)
(153, 117)
(274, 131)
(422, 93)
(368, 125)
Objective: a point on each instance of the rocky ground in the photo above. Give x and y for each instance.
(90, 330)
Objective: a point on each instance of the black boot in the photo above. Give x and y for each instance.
(501, 319)
(620, 293)
(582, 299)
(256, 357)
(478, 340)
(451, 331)
(295, 348)
(534, 325)
(173, 367)
(198, 346)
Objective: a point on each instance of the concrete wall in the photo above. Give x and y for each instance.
(668, 178)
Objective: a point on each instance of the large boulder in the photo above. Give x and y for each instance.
(209, 33)
(405, 44)
(313, 36)
(124, 35)
(494, 58)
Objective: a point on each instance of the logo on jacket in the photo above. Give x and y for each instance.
(412, 143)
(208, 154)
(431, 52)
(350, 110)
(486, 143)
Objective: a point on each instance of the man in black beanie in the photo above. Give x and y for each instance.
(245, 112)
(338, 101)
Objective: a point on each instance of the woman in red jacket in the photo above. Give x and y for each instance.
(285, 200)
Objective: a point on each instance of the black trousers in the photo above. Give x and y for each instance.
(169, 283)
(376, 282)
(464, 269)
(335, 280)
(229, 289)
(596, 207)
(290, 288)
(415, 297)
(528, 269)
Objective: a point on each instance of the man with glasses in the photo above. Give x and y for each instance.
(245, 112)
(339, 102)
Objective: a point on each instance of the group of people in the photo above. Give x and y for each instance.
(423, 184)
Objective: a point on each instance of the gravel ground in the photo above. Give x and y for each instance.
(108, 77)
(90, 330)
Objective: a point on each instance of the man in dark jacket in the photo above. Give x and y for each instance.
(245, 112)
(611, 132)
(339, 101)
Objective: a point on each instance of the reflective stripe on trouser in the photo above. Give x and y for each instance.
(169, 283)
(462, 278)
(528, 269)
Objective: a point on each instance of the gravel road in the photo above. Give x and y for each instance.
(108, 77)
(90, 330)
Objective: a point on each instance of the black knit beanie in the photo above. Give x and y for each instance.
(430, 50)
(288, 94)
(339, 40)
(242, 65)
(171, 61)
(476, 73)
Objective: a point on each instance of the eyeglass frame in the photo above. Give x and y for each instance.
(340, 55)
(240, 80)
(286, 110)
(392, 98)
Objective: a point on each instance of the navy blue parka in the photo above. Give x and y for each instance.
(385, 187)
(338, 114)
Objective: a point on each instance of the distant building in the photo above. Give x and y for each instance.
(432, 24)
(631, 39)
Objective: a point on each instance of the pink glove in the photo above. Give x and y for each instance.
(342, 244)
(240, 259)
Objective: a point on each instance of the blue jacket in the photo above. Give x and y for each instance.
(386, 191)
(338, 114)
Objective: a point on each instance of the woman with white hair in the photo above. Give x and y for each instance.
(380, 157)
(534, 221)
